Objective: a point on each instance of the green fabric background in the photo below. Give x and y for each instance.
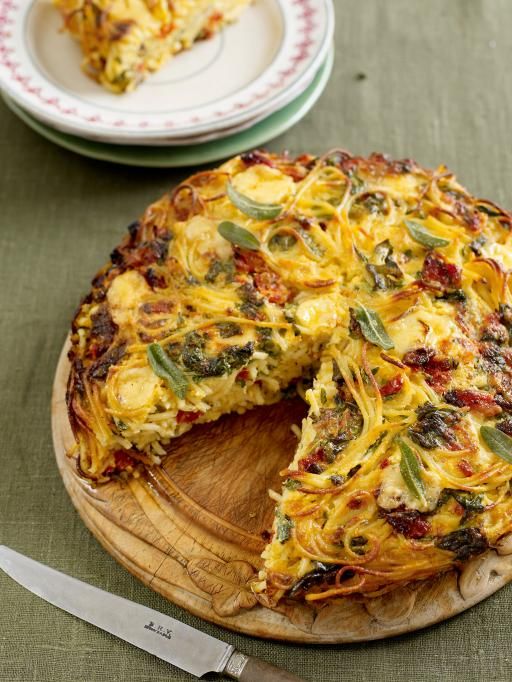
(438, 88)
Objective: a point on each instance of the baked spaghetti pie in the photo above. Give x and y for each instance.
(124, 40)
(382, 292)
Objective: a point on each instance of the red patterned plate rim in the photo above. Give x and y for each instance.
(306, 31)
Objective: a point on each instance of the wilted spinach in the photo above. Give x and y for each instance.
(385, 271)
(434, 426)
(196, 360)
(464, 543)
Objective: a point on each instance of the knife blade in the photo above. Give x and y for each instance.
(163, 636)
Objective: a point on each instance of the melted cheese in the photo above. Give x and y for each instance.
(317, 315)
(125, 295)
(202, 234)
(394, 494)
(132, 392)
(264, 184)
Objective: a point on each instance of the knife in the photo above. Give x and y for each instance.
(160, 635)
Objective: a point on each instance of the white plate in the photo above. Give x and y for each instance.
(218, 134)
(189, 155)
(252, 67)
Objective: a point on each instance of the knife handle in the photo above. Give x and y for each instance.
(249, 669)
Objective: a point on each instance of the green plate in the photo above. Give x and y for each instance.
(169, 157)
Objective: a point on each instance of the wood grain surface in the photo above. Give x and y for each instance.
(192, 528)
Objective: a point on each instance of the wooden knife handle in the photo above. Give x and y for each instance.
(249, 669)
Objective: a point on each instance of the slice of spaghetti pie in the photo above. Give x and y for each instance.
(387, 283)
(124, 40)
(219, 298)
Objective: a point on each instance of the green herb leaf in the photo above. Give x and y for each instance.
(490, 210)
(282, 242)
(284, 527)
(238, 236)
(470, 501)
(421, 235)
(250, 207)
(498, 442)
(218, 268)
(372, 327)
(292, 484)
(165, 368)
(308, 240)
(410, 470)
(375, 445)
(196, 360)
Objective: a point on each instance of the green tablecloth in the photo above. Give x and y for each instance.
(437, 87)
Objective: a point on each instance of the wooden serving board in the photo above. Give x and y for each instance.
(192, 530)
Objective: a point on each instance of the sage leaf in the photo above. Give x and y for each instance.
(166, 369)
(372, 328)
(410, 470)
(250, 207)
(421, 235)
(238, 236)
(498, 442)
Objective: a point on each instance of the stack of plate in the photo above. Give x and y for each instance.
(235, 91)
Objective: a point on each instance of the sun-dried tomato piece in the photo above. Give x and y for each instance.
(123, 460)
(266, 281)
(436, 368)
(356, 502)
(147, 252)
(249, 261)
(494, 330)
(472, 218)
(442, 364)
(312, 463)
(156, 307)
(505, 425)
(438, 272)
(270, 285)
(418, 358)
(185, 417)
(465, 467)
(243, 375)
(502, 383)
(393, 386)
(439, 373)
(154, 279)
(477, 401)
(409, 522)
(257, 157)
